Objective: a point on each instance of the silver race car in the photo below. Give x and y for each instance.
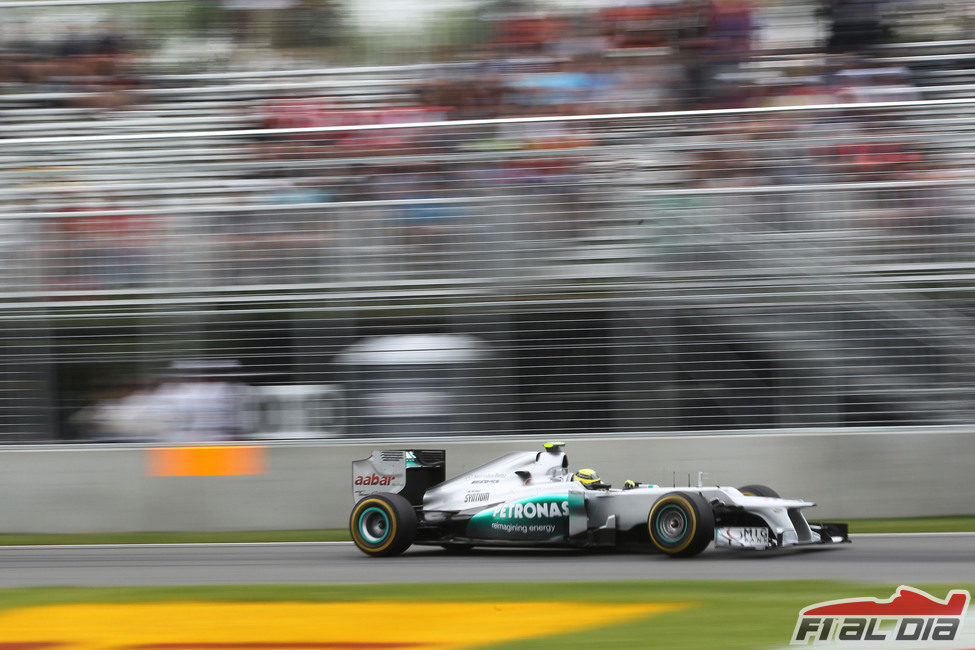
(531, 499)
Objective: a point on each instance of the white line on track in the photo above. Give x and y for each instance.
(164, 545)
(346, 543)
(931, 534)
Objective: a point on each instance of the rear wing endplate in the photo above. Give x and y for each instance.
(407, 472)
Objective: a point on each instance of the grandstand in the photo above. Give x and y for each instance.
(804, 261)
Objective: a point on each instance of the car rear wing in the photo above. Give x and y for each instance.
(407, 472)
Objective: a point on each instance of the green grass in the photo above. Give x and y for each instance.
(724, 615)
(948, 524)
(956, 523)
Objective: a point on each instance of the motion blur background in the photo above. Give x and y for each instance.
(305, 219)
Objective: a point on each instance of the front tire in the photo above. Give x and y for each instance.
(681, 524)
(383, 525)
(758, 491)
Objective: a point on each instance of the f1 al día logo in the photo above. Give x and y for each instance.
(909, 617)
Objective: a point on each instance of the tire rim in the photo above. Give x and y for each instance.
(672, 523)
(373, 525)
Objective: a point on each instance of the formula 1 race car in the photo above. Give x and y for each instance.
(529, 499)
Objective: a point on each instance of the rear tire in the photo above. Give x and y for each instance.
(758, 491)
(383, 525)
(681, 524)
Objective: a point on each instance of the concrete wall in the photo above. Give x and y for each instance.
(863, 474)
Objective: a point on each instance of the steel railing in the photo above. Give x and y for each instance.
(709, 269)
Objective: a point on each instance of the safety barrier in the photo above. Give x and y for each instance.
(864, 473)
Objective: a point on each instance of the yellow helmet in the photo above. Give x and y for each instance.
(587, 477)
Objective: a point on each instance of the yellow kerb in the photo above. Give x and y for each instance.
(303, 626)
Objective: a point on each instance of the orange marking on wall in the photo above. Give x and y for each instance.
(368, 625)
(207, 461)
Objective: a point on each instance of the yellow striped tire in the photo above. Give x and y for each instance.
(681, 524)
(383, 525)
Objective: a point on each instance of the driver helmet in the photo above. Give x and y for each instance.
(588, 477)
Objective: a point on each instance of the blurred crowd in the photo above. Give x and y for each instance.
(89, 68)
(490, 193)
(636, 56)
(631, 58)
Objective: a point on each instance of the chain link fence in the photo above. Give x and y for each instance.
(392, 273)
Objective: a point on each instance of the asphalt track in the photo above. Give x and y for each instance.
(914, 558)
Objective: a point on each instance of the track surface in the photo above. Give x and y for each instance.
(901, 558)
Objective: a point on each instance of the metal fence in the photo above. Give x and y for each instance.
(715, 269)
